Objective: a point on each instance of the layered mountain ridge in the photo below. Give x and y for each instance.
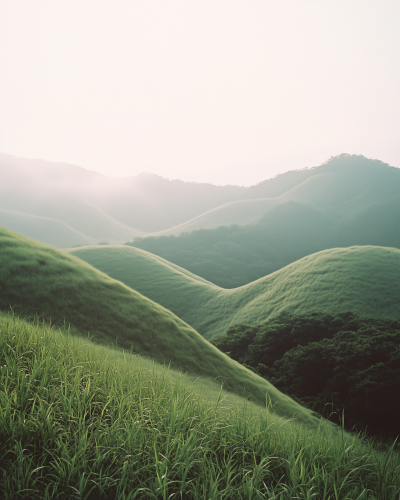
(119, 210)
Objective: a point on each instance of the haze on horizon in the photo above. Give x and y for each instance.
(225, 91)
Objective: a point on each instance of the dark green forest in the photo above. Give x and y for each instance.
(236, 255)
(344, 367)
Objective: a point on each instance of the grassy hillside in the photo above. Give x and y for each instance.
(364, 280)
(79, 420)
(37, 279)
(347, 201)
(234, 256)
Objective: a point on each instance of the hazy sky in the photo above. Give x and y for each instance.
(185, 88)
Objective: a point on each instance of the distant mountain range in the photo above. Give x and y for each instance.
(65, 205)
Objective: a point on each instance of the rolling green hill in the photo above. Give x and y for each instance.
(38, 279)
(79, 420)
(234, 256)
(347, 201)
(364, 280)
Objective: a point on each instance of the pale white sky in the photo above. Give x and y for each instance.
(183, 88)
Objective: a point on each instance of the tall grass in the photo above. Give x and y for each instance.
(82, 421)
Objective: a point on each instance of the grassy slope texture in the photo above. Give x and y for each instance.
(82, 421)
(35, 278)
(364, 280)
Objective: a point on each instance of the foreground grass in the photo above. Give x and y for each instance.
(84, 421)
(361, 279)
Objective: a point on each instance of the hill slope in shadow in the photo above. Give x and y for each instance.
(361, 279)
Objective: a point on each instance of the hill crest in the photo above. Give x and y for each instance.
(361, 279)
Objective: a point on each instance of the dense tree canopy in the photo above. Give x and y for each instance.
(333, 364)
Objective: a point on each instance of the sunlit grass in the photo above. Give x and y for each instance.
(78, 420)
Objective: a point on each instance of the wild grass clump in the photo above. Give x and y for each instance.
(83, 421)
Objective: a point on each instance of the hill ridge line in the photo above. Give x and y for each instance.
(325, 280)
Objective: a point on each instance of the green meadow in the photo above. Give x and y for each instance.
(361, 279)
(86, 421)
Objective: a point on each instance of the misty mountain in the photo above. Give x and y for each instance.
(92, 208)
(348, 201)
(144, 203)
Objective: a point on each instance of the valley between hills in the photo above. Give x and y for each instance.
(364, 280)
(147, 324)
